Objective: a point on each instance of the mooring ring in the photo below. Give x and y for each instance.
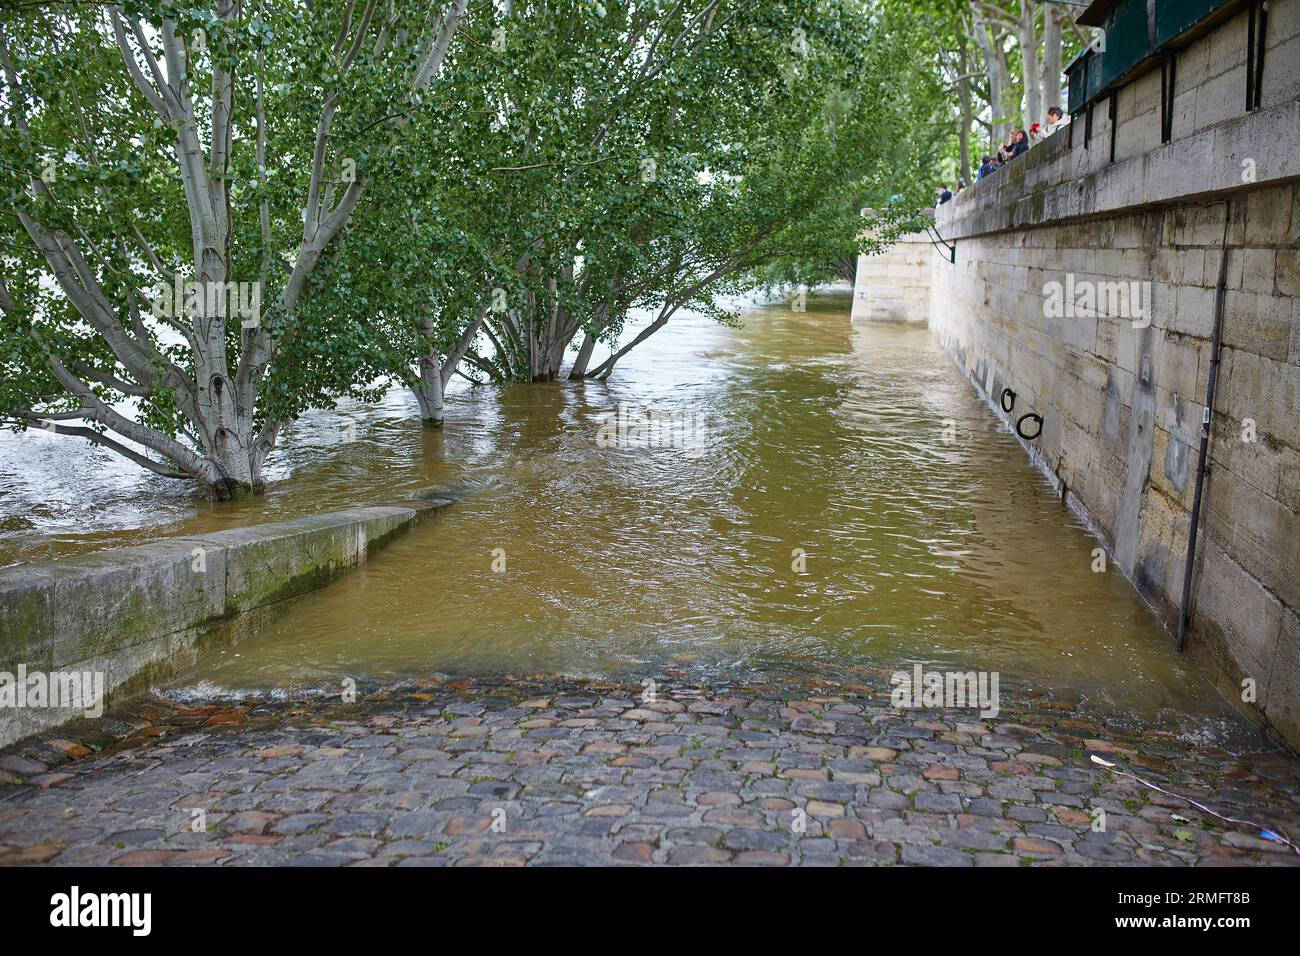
(1021, 420)
(1003, 400)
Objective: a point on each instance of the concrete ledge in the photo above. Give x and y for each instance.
(116, 612)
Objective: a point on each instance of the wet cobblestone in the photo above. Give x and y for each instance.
(510, 772)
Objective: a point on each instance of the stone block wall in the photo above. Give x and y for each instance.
(894, 285)
(1121, 388)
(118, 612)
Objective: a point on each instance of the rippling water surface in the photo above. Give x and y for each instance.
(820, 437)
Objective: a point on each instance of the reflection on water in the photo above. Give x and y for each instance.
(824, 444)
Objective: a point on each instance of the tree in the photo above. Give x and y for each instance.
(186, 273)
(614, 157)
(161, 244)
(997, 63)
(946, 70)
(658, 157)
(1032, 79)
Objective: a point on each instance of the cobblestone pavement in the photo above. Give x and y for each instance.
(537, 771)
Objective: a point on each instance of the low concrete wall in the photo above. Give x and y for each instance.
(116, 612)
(1121, 387)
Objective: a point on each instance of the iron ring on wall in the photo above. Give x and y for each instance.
(1003, 400)
(1021, 421)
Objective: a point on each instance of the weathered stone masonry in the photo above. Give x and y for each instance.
(894, 286)
(119, 612)
(1122, 403)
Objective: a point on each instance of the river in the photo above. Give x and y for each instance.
(844, 499)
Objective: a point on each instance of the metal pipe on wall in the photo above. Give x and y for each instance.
(1202, 461)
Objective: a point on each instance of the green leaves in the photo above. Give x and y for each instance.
(584, 159)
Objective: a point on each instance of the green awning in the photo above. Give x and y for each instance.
(1136, 32)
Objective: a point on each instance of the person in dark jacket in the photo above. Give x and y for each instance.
(1019, 143)
(986, 164)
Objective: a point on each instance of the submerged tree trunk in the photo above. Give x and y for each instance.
(429, 392)
(583, 359)
(551, 346)
(436, 370)
(533, 338)
(603, 370)
(429, 387)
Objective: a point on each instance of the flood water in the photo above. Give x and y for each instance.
(814, 438)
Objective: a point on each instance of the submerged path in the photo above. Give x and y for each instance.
(545, 771)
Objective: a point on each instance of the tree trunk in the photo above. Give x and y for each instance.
(436, 371)
(579, 368)
(1052, 53)
(546, 331)
(1027, 37)
(967, 113)
(990, 39)
(429, 391)
(603, 370)
(552, 346)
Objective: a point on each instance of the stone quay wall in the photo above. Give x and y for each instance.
(1087, 286)
(117, 612)
(894, 286)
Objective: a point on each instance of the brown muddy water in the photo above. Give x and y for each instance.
(805, 436)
